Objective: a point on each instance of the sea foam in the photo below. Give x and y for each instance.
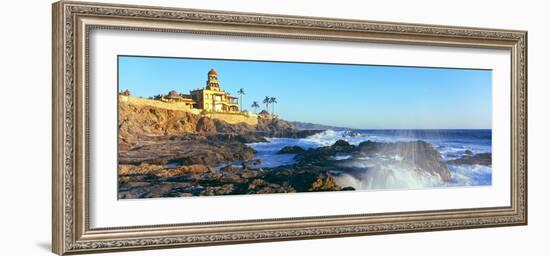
(380, 172)
(385, 173)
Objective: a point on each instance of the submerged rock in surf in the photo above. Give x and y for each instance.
(480, 159)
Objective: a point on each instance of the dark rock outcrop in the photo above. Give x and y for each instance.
(481, 159)
(417, 153)
(342, 146)
(322, 156)
(291, 150)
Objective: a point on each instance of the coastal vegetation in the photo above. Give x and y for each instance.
(255, 106)
(241, 94)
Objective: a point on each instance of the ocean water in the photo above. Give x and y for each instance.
(381, 172)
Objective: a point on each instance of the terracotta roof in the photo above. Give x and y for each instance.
(212, 72)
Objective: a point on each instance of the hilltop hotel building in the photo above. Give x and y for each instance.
(210, 98)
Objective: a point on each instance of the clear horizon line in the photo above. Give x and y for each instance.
(343, 127)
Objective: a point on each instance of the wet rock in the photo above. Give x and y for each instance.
(480, 159)
(291, 150)
(468, 152)
(251, 164)
(323, 156)
(342, 146)
(419, 154)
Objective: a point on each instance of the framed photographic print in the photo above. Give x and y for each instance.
(179, 127)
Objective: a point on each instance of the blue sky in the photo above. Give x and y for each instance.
(354, 96)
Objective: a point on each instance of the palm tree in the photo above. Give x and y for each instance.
(255, 106)
(241, 93)
(273, 101)
(267, 101)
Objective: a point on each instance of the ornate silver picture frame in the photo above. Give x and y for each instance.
(74, 21)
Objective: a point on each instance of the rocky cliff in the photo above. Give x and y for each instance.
(154, 135)
(143, 120)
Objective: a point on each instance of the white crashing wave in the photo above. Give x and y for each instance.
(380, 172)
(392, 174)
(329, 137)
(340, 157)
(386, 174)
(470, 175)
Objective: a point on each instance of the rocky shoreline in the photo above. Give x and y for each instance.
(314, 171)
(164, 153)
